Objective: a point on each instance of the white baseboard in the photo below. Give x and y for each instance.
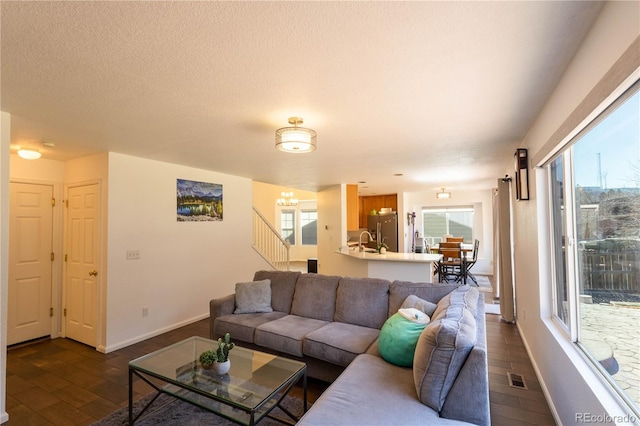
(543, 385)
(151, 334)
(4, 417)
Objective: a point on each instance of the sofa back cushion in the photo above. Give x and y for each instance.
(464, 295)
(399, 290)
(443, 347)
(283, 284)
(362, 301)
(315, 296)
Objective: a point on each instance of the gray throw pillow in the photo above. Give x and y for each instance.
(413, 301)
(441, 352)
(253, 297)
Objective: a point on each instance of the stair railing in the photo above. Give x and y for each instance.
(269, 244)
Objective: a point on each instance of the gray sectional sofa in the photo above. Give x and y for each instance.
(332, 324)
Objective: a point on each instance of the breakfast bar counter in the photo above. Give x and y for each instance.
(417, 267)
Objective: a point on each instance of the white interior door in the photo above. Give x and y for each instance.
(81, 289)
(30, 262)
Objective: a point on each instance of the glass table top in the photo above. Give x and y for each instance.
(255, 378)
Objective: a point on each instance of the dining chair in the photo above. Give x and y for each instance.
(470, 262)
(449, 245)
(455, 239)
(452, 265)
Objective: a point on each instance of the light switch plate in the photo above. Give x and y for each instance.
(133, 254)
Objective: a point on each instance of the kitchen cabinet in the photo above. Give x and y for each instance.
(353, 206)
(375, 202)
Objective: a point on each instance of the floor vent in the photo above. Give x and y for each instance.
(516, 381)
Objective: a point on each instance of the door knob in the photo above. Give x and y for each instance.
(93, 273)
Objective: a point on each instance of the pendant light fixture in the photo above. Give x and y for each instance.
(287, 199)
(29, 154)
(296, 139)
(442, 195)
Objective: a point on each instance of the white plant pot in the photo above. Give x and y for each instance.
(383, 250)
(222, 367)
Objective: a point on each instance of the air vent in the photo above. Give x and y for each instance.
(516, 381)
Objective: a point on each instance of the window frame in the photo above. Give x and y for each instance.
(465, 208)
(573, 331)
(292, 212)
(297, 210)
(302, 211)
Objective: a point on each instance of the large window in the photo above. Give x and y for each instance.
(288, 225)
(457, 222)
(594, 187)
(299, 221)
(309, 227)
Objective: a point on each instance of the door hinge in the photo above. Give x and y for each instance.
(65, 312)
(53, 202)
(66, 203)
(53, 256)
(65, 257)
(51, 311)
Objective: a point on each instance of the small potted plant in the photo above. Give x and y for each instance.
(218, 359)
(208, 358)
(382, 247)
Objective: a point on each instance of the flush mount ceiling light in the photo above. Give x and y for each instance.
(287, 199)
(295, 139)
(29, 154)
(443, 194)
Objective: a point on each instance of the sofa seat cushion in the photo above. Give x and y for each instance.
(286, 334)
(339, 343)
(372, 392)
(362, 301)
(443, 347)
(242, 326)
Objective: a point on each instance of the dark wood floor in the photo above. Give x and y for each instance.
(62, 382)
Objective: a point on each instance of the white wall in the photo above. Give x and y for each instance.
(332, 231)
(483, 219)
(5, 136)
(182, 265)
(577, 389)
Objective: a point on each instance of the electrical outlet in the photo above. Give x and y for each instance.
(145, 312)
(133, 254)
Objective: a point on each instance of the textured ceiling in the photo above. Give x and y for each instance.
(441, 92)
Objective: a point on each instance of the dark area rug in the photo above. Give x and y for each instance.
(169, 411)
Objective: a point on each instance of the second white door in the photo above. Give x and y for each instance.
(82, 251)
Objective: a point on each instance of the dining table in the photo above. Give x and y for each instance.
(464, 248)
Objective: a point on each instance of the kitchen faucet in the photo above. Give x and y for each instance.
(360, 239)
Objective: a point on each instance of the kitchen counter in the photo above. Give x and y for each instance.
(417, 267)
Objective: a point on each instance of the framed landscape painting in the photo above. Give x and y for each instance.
(198, 201)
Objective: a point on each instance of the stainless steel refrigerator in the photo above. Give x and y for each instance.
(384, 227)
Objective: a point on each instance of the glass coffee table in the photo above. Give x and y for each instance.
(255, 385)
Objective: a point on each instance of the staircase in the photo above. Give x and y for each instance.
(269, 244)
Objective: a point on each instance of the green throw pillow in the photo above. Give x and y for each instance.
(398, 339)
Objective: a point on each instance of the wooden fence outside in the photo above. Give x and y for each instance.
(615, 270)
